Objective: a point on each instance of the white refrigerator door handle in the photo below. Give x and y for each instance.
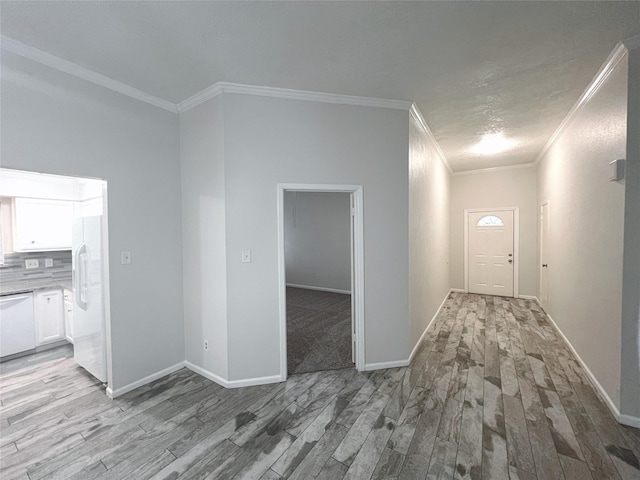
(81, 276)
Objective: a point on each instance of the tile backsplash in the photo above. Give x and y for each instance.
(14, 271)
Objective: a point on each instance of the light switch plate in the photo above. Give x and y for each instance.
(48, 262)
(246, 256)
(33, 263)
(616, 170)
(125, 258)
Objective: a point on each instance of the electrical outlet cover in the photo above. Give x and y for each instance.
(32, 263)
(125, 258)
(48, 262)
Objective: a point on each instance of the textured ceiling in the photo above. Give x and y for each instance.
(472, 67)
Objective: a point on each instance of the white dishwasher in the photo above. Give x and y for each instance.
(17, 325)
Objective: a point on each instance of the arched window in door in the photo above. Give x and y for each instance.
(490, 221)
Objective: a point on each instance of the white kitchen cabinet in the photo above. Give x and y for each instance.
(41, 225)
(68, 315)
(49, 316)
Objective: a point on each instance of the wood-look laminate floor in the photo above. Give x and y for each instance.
(492, 393)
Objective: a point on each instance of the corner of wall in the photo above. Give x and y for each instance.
(630, 355)
(203, 232)
(429, 226)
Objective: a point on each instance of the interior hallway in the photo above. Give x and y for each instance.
(492, 393)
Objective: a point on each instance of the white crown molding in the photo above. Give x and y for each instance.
(70, 68)
(214, 90)
(520, 166)
(290, 94)
(419, 119)
(609, 65)
(310, 96)
(632, 42)
(200, 97)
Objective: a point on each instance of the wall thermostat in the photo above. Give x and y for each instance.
(616, 170)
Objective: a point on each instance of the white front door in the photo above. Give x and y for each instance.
(491, 253)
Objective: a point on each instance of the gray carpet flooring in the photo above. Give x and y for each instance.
(318, 330)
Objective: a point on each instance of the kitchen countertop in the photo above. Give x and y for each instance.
(33, 285)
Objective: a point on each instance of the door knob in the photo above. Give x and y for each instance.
(544, 265)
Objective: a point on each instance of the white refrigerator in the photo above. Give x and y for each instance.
(89, 342)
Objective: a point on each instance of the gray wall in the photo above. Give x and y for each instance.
(630, 381)
(429, 202)
(586, 214)
(317, 236)
(270, 141)
(55, 123)
(503, 188)
(203, 235)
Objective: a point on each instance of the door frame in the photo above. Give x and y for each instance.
(357, 259)
(541, 251)
(516, 244)
(106, 290)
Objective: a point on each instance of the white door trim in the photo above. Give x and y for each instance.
(516, 243)
(106, 291)
(540, 253)
(357, 259)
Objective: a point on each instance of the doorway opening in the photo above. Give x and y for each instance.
(321, 271)
(54, 253)
(491, 256)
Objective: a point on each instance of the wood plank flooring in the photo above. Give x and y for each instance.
(492, 393)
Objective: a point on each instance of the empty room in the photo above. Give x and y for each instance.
(318, 251)
(359, 240)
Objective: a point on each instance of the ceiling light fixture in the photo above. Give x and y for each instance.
(492, 143)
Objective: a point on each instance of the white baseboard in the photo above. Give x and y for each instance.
(320, 289)
(49, 346)
(629, 420)
(415, 348)
(457, 290)
(255, 381)
(143, 381)
(529, 297)
(206, 373)
(404, 363)
(233, 383)
(381, 365)
(621, 418)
